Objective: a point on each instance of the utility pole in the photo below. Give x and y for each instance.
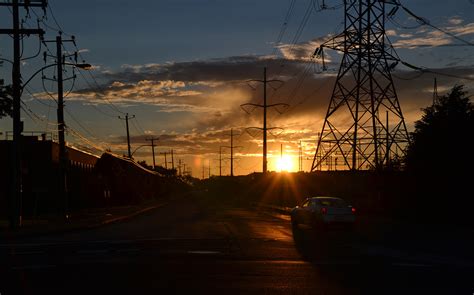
(15, 202)
(265, 106)
(172, 159)
(300, 168)
(231, 147)
(166, 161)
(153, 149)
(203, 169)
(179, 167)
(127, 117)
(63, 157)
(231, 152)
(209, 168)
(220, 161)
(281, 157)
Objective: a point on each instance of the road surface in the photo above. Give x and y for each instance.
(192, 247)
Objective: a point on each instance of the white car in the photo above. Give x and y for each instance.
(323, 212)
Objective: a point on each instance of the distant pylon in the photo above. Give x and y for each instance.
(264, 106)
(353, 129)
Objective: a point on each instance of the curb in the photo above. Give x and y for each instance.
(123, 218)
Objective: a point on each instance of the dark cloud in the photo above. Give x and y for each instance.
(237, 68)
(212, 91)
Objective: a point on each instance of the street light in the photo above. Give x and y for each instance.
(62, 143)
(139, 147)
(83, 66)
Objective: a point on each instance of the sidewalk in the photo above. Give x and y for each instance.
(86, 219)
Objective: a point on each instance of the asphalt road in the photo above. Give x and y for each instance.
(192, 247)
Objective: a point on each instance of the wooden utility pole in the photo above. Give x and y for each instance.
(300, 160)
(15, 202)
(220, 161)
(231, 152)
(172, 159)
(63, 157)
(166, 161)
(281, 157)
(153, 149)
(127, 117)
(209, 168)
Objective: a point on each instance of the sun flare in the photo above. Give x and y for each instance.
(284, 163)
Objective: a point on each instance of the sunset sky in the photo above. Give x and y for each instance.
(181, 66)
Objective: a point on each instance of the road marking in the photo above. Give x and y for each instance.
(32, 267)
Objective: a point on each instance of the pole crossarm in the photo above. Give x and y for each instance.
(27, 32)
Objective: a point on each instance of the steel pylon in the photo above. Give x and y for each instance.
(364, 126)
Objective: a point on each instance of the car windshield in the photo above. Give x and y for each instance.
(332, 202)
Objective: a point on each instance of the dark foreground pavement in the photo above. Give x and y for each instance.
(191, 247)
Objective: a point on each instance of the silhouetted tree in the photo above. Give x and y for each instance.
(442, 142)
(440, 159)
(6, 101)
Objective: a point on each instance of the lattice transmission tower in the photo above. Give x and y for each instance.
(364, 126)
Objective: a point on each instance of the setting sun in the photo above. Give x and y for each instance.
(284, 163)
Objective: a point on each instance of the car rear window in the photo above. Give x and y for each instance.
(332, 202)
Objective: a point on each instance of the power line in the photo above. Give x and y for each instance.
(423, 21)
(284, 26)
